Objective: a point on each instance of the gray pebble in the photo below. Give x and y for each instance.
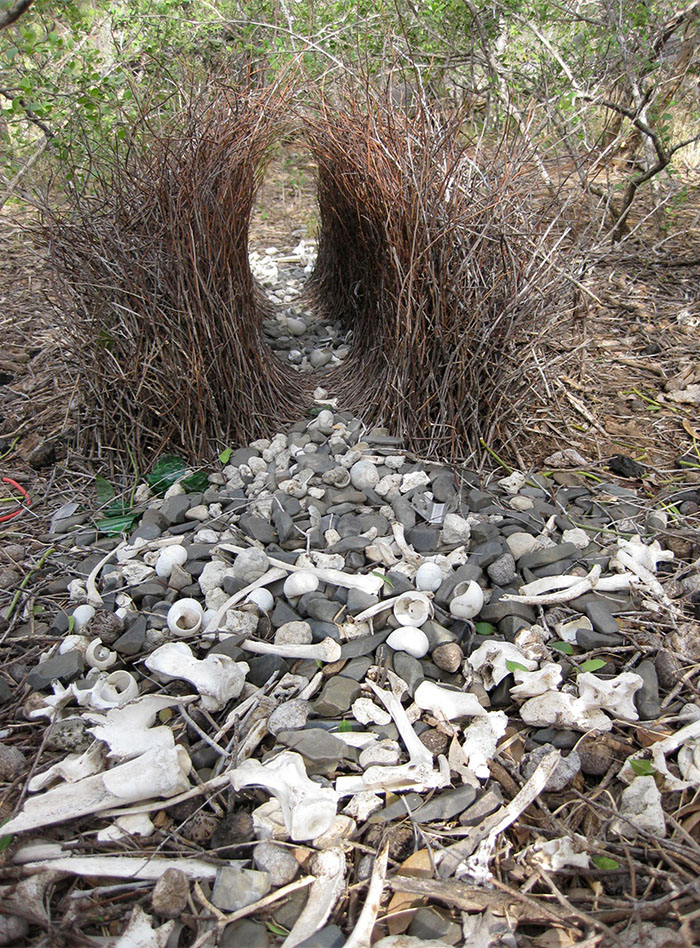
(647, 698)
(12, 763)
(502, 570)
(277, 861)
(564, 773)
(235, 888)
(291, 716)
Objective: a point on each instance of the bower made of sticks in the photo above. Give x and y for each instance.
(429, 251)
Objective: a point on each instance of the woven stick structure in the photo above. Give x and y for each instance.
(167, 326)
(431, 252)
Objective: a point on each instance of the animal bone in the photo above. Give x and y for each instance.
(217, 678)
(328, 650)
(329, 868)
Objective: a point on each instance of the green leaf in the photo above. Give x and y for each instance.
(197, 481)
(515, 666)
(104, 489)
(166, 471)
(384, 578)
(565, 647)
(277, 929)
(225, 455)
(484, 628)
(593, 664)
(642, 768)
(113, 526)
(5, 841)
(71, 625)
(605, 862)
(344, 726)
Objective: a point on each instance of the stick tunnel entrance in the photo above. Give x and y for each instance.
(426, 272)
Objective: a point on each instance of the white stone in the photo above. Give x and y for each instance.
(455, 530)
(414, 479)
(513, 483)
(640, 804)
(213, 575)
(577, 536)
(520, 544)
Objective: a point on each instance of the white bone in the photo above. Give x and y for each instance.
(93, 597)
(615, 695)
(529, 684)
(562, 710)
(161, 772)
(328, 650)
(489, 662)
(73, 768)
(308, 808)
(128, 731)
(217, 678)
(481, 740)
(329, 868)
(113, 867)
(448, 703)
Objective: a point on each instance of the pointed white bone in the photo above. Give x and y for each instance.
(329, 868)
(328, 650)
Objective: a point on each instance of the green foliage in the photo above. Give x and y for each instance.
(605, 862)
(642, 768)
(566, 648)
(593, 664)
(484, 628)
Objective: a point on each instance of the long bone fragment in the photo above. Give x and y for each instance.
(361, 936)
(329, 868)
(579, 587)
(368, 583)
(93, 596)
(328, 650)
(161, 772)
(114, 867)
(483, 838)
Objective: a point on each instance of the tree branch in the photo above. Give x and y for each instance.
(8, 17)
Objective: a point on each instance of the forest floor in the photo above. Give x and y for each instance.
(632, 341)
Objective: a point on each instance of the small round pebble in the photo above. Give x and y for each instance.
(435, 741)
(277, 861)
(448, 657)
(12, 763)
(170, 894)
(290, 716)
(294, 633)
(595, 756)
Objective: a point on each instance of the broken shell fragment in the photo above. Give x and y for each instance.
(413, 609)
(185, 617)
(81, 615)
(109, 691)
(308, 809)
(99, 656)
(262, 598)
(467, 601)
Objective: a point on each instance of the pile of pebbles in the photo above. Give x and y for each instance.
(307, 343)
(367, 523)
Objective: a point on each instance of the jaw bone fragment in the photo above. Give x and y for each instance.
(73, 768)
(308, 808)
(217, 678)
(161, 772)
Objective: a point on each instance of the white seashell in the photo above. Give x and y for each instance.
(185, 617)
(81, 617)
(74, 642)
(99, 656)
(429, 577)
(413, 608)
(409, 639)
(303, 581)
(109, 691)
(467, 601)
(262, 598)
(168, 558)
(364, 474)
(250, 564)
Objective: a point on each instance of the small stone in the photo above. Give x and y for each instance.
(5, 691)
(551, 554)
(590, 639)
(330, 936)
(455, 530)
(435, 741)
(520, 544)
(337, 696)
(132, 641)
(647, 698)
(62, 667)
(294, 633)
(484, 805)
(12, 763)
(69, 734)
(235, 888)
(296, 326)
(502, 571)
(564, 772)
(264, 667)
(429, 924)
(448, 657)
(601, 617)
(320, 357)
(446, 805)
(321, 750)
(245, 934)
(640, 804)
(170, 894)
(668, 669)
(408, 668)
(385, 753)
(174, 508)
(276, 861)
(596, 756)
(290, 716)
(424, 539)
